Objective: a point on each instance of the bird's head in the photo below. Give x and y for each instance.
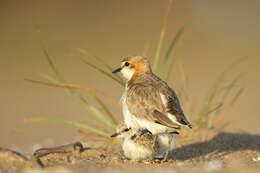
(133, 65)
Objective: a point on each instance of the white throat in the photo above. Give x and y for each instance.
(127, 73)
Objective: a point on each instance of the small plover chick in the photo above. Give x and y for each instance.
(137, 144)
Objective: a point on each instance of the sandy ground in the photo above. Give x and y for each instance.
(217, 34)
(196, 151)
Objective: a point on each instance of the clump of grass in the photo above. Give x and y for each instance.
(217, 103)
(220, 96)
(107, 120)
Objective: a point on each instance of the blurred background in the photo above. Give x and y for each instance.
(216, 34)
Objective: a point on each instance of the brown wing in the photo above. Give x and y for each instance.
(160, 118)
(146, 103)
(173, 107)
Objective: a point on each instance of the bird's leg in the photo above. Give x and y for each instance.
(168, 148)
(153, 146)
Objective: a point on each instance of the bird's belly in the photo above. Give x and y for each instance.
(129, 118)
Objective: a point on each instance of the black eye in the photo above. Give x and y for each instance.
(127, 64)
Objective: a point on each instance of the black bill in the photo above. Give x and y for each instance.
(118, 133)
(117, 70)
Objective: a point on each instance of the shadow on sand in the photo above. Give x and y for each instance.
(221, 143)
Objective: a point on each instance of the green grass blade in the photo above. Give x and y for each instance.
(106, 109)
(169, 71)
(93, 111)
(91, 92)
(87, 53)
(217, 82)
(69, 122)
(104, 72)
(227, 92)
(58, 74)
(162, 35)
(172, 45)
(228, 107)
(157, 54)
(222, 100)
(54, 83)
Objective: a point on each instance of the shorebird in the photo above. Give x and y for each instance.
(148, 102)
(137, 144)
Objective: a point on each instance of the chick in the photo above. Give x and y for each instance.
(137, 144)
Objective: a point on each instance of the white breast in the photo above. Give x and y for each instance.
(127, 115)
(129, 119)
